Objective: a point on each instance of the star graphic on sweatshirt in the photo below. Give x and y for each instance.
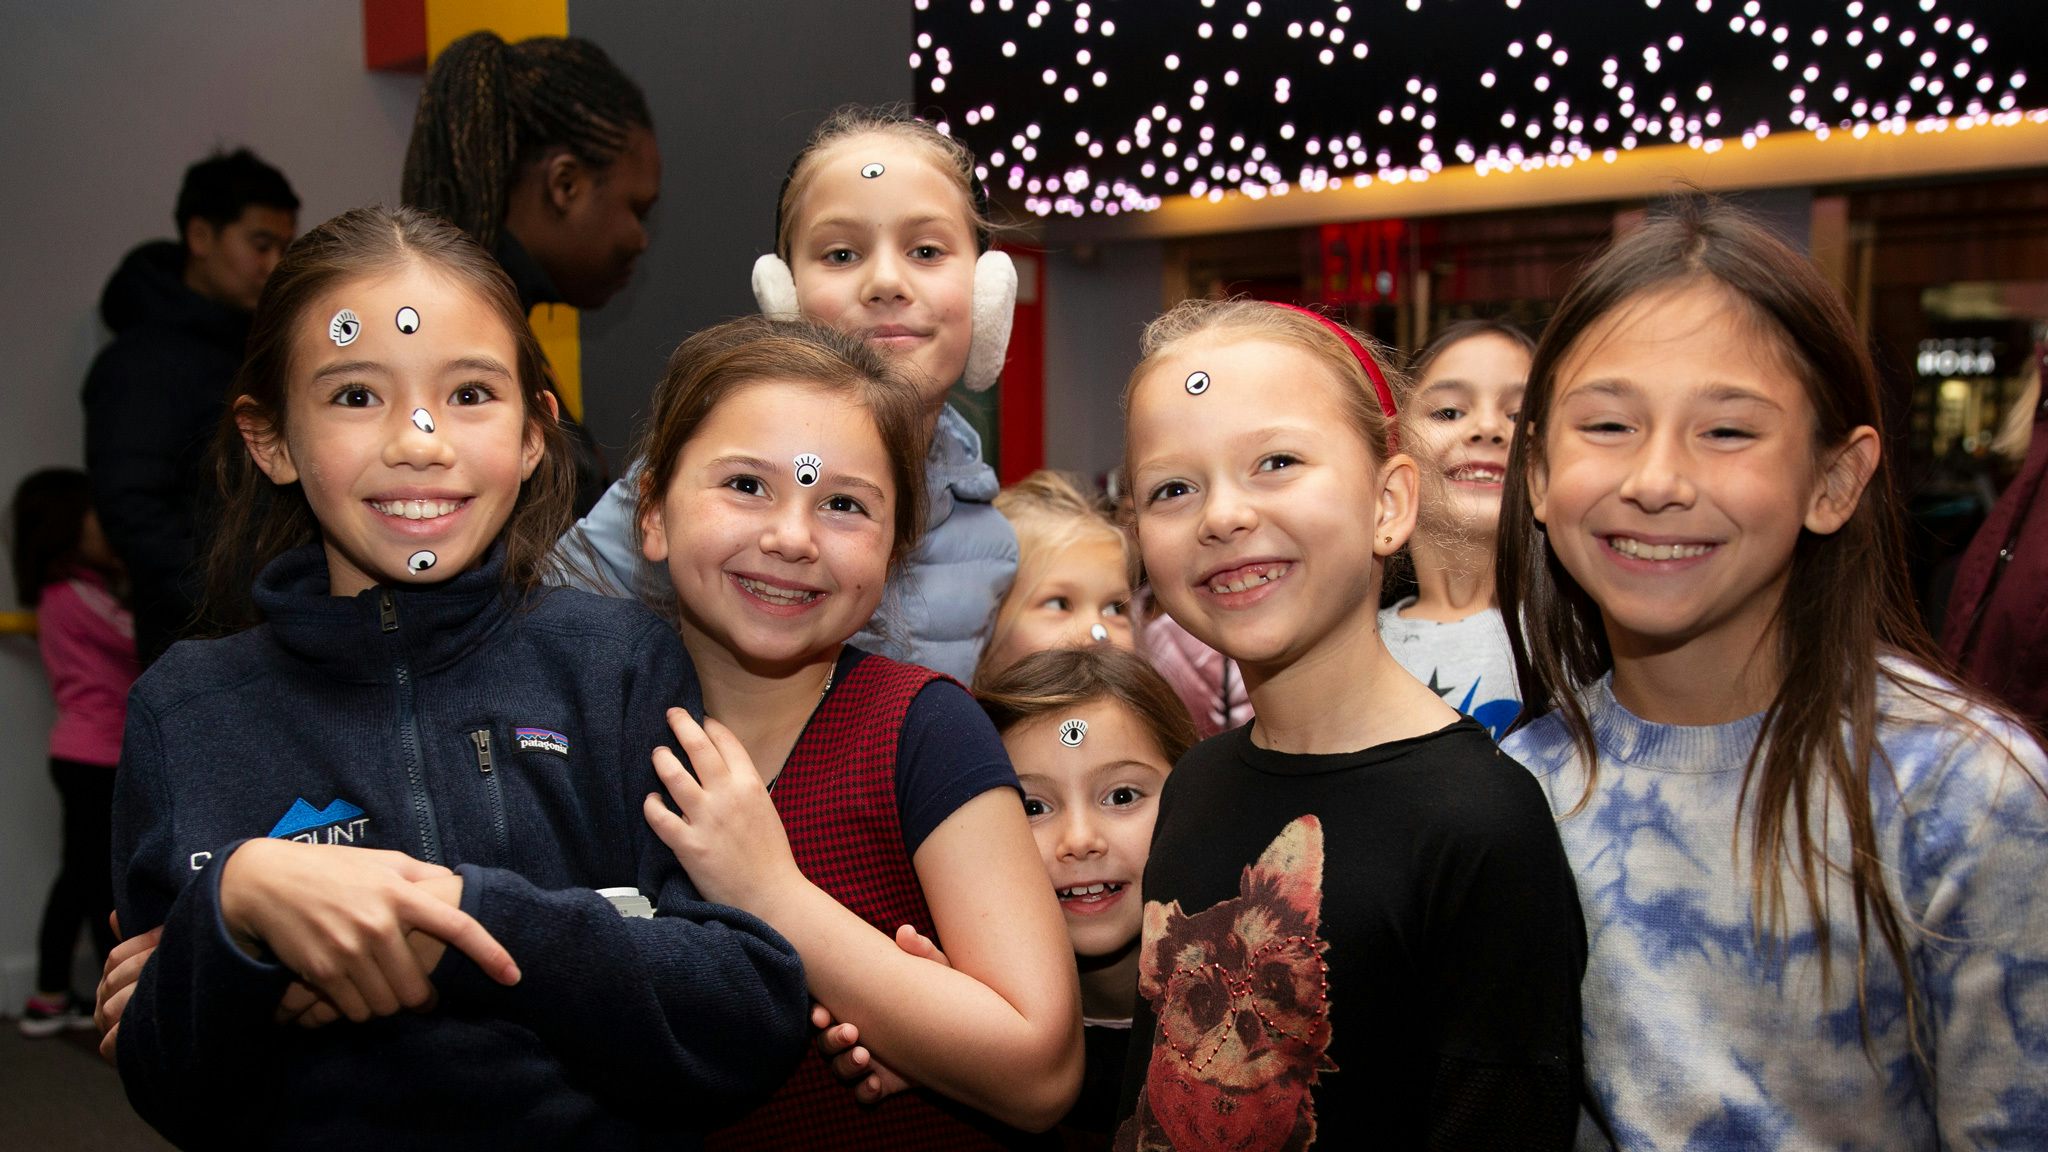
(1443, 690)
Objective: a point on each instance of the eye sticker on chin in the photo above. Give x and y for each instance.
(807, 467)
(870, 171)
(423, 419)
(344, 328)
(1073, 732)
(1198, 383)
(420, 561)
(408, 320)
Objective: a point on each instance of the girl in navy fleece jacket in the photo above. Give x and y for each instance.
(395, 797)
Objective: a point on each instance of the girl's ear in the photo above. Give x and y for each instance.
(1400, 484)
(268, 449)
(1843, 477)
(654, 535)
(1539, 481)
(536, 443)
(564, 177)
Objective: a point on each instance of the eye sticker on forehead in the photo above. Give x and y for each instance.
(1073, 732)
(870, 171)
(807, 467)
(1198, 383)
(344, 328)
(408, 320)
(423, 419)
(420, 561)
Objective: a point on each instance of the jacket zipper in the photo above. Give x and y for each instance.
(409, 737)
(481, 738)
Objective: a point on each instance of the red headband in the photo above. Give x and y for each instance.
(1365, 360)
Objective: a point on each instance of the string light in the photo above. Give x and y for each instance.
(1258, 98)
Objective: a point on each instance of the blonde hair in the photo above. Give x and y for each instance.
(1051, 512)
(945, 153)
(2016, 431)
(1244, 319)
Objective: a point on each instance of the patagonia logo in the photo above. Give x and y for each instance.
(541, 740)
(339, 823)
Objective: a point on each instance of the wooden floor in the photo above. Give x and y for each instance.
(57, 1095)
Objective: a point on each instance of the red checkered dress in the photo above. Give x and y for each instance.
(837, 798)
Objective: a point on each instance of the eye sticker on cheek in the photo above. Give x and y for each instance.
(870, 171)
(1098, 633)
(408, 321)
(420, 561)
(423, 419)
(1198, 383)
(344, 328)
(1073, 732)
(807, 467)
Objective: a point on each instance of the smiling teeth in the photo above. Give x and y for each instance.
(1479, 473)
(776, 595)
(1642, 551)
(1086, 890)
(1252, 581)
(416, 509)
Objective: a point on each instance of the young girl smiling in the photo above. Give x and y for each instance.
(1359, 928)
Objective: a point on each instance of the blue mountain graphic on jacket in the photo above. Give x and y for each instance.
(304, 816)
(1493, 715)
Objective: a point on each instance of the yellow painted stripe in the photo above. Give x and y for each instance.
(555, 325)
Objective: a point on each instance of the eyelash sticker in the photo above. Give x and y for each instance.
(344, 328)
(408, 322)
(423, 419)
(870, 171)
(807, 467)
(1198, 383)
(420, 561)
(1073, 732)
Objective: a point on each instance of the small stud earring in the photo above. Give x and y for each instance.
(1386, 539)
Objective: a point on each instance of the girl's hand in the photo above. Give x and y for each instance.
(729, 837)
(117, 984)
(839, 1042)
(305, 1007)
(339, 918)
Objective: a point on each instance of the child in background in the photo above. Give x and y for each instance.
(1457, 421)
(65, 570)
(1360, 930)
(783, 482)
(1739, 718)
(1074, 572)
(396, 797)
(877, 233)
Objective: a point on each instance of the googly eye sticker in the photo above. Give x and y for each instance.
(807, 467)
(870, 171)
(344, 328)
(409, 322)
(1073, 732)
(1198, 383)
(1098, 633)
(423, 419)
(420, 561)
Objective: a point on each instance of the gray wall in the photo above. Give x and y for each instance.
(1098, 299)
(735, 88)
(107, 103)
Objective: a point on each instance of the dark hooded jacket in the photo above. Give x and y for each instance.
(152, 402)
(1997, 623)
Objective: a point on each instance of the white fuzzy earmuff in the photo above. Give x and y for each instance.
(994, 308)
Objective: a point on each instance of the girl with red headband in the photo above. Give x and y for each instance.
(1359, 927)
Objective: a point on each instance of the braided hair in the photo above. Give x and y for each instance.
(489, 108)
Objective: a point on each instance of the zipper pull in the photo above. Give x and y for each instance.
(387, 610)
(482, 740)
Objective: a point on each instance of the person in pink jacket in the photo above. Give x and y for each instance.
(1204, 679)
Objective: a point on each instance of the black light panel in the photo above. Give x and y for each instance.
(1107, 106)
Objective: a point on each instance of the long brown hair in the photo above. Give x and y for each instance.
(1065, 678)
(1847, 600)
(722, 359)
(259, 520)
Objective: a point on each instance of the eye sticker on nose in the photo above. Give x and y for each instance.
(1098, 633)
(1198, 383)
(344, 328)
(870, 171)
(408, 321)
(1073, 732)
(423, 419)
(807, 467)
(420, 561)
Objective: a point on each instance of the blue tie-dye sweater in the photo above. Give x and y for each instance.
(1700, 1034)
